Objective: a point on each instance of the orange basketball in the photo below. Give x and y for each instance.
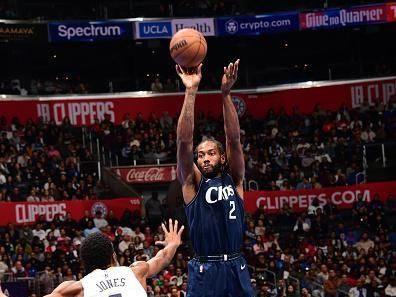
(188, 48)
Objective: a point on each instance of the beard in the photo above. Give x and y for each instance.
(212, 171)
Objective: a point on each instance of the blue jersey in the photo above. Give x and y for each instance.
(215, 217)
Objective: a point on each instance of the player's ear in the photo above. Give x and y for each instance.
(114, 261)
(222, 159)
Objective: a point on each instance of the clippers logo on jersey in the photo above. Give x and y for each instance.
(215, 194)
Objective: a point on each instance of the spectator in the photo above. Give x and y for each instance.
(3, 266)
(359, 290)
(156, 85)
(39, 232)
(314, 206)
(291, 291)
(18, 270)
(125, 243)
(99, 221)
(303, 225)
(90, 229)
(390, 289)
(365, 243)
(154, 209)
(331, 284)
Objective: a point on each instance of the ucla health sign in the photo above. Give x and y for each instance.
(338, 18)
(257, 25)
(89, 31)
(153, 29)
(204, 25)
(165, 29)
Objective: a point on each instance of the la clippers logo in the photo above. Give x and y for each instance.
(240, 105)
(231, 26)
(99, 206)
(215, 194)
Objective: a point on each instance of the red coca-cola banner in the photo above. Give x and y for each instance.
(83, 110)
(146, 174)
(299, 200)
(28, 212)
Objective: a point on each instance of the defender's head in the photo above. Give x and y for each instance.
(97, 252)
(211, 158)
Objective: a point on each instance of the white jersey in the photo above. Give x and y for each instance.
(113, 282)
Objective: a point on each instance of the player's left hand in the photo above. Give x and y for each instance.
(173, 236)
(229, 77)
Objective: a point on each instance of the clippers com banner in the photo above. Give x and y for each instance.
(28, 213)
(342, 197)
(84, 110)
(90, 31)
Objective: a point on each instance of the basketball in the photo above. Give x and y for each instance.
(188, 48)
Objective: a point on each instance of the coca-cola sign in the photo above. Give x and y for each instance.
(146, 174)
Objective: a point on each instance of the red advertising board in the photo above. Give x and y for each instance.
(391, 12)
(83, 110)
(146, 174)
(27, 212)
(342, 197)
(338, 18)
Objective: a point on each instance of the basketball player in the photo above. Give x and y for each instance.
(106, 279)
(213, 195)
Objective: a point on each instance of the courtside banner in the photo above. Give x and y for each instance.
(85, 110)
(299, 200)
(28, 212)
(146, 174)
(204, 25)
(152, 29)
(338, 18)
(257, 25)
(391, 12)
(23, 32)
(89, 31)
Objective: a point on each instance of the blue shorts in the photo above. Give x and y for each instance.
(219, 279)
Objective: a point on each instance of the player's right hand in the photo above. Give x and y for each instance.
(173, 236)
(190, 79)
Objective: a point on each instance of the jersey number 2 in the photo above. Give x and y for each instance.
(232, 210)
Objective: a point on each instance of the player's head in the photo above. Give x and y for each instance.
(97, 252)
(211, 158)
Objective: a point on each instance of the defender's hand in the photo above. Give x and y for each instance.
(230, 76)
(172, 236)
(192, 78)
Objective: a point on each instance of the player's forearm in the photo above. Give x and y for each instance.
(162, 259)
(231, 121)
(185, 125)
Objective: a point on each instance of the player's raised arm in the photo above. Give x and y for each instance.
(67, 289)
(231, 127)
(162, 259)
(186, 170)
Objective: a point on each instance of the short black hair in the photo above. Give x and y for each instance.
(96, 252)
(219, 145)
